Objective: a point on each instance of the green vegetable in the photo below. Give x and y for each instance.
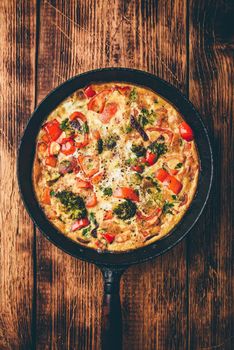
(93, 218)
(74, 205)
(86, 231)
(52, 193)
(128, 129)
(181, 142)
(174, 197)
(125, 210)
(154, 183)
(167, 208)
(85, 128)
(179, 165)
(65, 124)
(139, 150)
(107, 191)
(158, 148)
(100, 146)
(146, 117)
(133, 95)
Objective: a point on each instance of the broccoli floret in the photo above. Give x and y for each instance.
(107, 191)
(139, 150)
(158, 148)
(125, 210)
(74, 205)
(133, 95)
(167, 208)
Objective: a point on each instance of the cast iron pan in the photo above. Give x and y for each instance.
(112, 265)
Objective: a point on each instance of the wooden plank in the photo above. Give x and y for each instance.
(74, 37)
(17, 70)
(211, 90)
(154, 294)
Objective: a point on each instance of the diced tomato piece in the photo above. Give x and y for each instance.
(51, 161)
(108, 215)
(137, 168)
(161, 174)
(68, 147)
(108, 112)
(77, 225)
(53, 129)
(54, 148)
(46, 138)
(42, 147)
(91, 201)
(84, 143)
(46, 196)
(89, 92)
(96, 134)
(97, 102)
(89, 164)
(108, 237)
(78, 115)
(186, 132)
(151, 158)
(83, 183)
(173, 184)
(127, 193)
(97, 177)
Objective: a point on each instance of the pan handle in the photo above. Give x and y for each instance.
(111, 331)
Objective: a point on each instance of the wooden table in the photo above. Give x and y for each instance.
(182, 300)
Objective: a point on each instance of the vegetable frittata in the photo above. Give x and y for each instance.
(116, 166)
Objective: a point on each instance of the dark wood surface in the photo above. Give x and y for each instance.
(182, 300)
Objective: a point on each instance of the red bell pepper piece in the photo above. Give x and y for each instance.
(53, 129)
(137, 168)
(46, 196)
(91, 201)
(151, 158)
(108, 237)
(51, 161)
(127, 193)
(108, 215)
(78, 115)
(83, 183)
(186, 132)
(89, 92)
(173, 184)
(68, 147)
(169, 181)
(123, 89)
(77, 225)
(96, 135)
(89, 165)
(108, 112)
(161, 174)
(97, 102)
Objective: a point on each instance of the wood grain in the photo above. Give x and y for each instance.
(182, 300)
(17, 71)
(72, 40)
(210, 249)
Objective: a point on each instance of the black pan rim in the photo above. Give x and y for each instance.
(89, 254)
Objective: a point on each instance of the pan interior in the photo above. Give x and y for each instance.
(27, 151)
